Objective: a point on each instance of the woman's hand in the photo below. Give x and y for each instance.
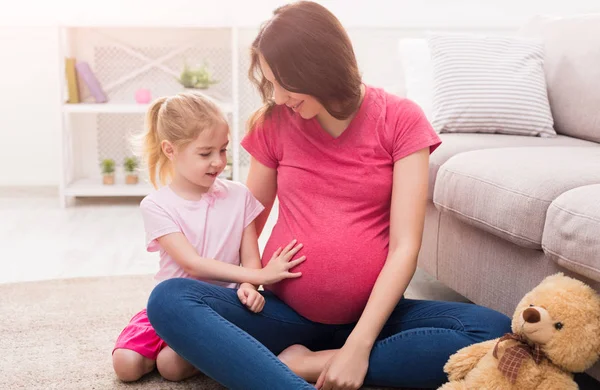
(251, 298)
(346, 370)
(280, 264)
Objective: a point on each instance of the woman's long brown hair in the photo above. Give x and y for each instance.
(309, 52)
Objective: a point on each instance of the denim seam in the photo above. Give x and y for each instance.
(251, 339)
(262, 314)
(412, 332)
(438, 316)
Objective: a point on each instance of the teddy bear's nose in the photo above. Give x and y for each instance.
(531, 315)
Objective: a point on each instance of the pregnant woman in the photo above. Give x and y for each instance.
(348, 163)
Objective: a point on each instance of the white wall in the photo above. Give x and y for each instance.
(389, 13)
(29, 70)
(29, 108)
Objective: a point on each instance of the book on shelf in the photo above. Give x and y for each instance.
(78, 72)
(85, 72)
(72, 83)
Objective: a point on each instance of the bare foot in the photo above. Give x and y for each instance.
(304, 362)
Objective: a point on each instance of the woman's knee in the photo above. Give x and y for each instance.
(130, 365)
(167, 296)
(167, 290)
(501, 325)
(495, 324)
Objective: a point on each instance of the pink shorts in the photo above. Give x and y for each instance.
(139, 336)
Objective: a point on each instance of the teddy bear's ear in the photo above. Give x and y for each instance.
(555, 276)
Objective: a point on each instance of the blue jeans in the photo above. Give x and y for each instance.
(210, 328)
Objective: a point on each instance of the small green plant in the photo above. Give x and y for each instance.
(108, 166)
(130, 164)
(196, 78)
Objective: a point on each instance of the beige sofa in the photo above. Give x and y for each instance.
(505, 211)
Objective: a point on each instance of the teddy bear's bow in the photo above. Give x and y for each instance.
(513, 357)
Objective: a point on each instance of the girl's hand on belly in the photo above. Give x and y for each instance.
(281, 262)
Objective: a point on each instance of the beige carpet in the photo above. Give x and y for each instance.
(59, 334)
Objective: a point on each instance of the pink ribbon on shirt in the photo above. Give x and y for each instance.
(216, 191)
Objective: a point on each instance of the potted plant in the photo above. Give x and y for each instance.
(198, 78)
(108, 171)
(130, 166)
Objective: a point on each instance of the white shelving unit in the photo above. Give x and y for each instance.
(125, 59)
(90, 187)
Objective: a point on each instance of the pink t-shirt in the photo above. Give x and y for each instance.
(213, 225)
(334, 197)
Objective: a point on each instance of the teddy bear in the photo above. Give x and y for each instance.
(556, 332)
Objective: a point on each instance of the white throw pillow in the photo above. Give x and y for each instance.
(489, 84)
(418, 74)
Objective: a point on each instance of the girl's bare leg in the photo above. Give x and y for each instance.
(173, 367)
(130, 365)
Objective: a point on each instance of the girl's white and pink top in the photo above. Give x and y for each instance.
(213, 225)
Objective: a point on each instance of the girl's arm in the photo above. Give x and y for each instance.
(186, 256)
(262, 182)
(407, 217)
(249, 252)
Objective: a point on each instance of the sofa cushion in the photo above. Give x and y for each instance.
(489, 84)
(572, 231)
(453, 144)
(572, 72)
(507, 191)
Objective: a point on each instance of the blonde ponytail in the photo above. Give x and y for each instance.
(156, 161)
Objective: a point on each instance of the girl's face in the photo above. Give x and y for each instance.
(203, 159)
(305, 105)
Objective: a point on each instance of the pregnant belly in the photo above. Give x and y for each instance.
(336, 280)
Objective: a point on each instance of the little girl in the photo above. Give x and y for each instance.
(202, 226)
